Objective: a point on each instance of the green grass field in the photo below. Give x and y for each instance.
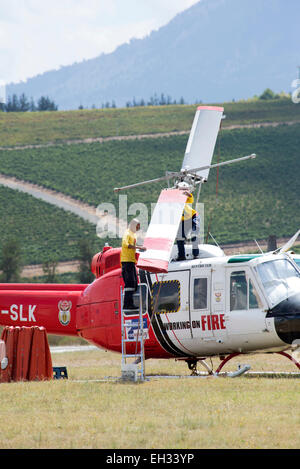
(90, 412)
(42, 127)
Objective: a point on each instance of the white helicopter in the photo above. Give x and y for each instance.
(214, 305)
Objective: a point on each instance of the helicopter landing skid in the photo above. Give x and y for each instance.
(284, 354)
(192, 364)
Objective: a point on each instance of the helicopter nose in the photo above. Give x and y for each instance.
(287, 319)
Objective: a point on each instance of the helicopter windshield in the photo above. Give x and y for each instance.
(280, 279)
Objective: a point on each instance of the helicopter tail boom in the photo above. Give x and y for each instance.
(50, 306)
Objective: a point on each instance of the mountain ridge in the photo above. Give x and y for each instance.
(214, 51)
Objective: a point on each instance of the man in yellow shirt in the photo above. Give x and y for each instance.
(190, 220)
(128, 262)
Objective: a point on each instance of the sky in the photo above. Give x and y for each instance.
(41, 35)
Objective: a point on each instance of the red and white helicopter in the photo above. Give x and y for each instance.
(214, 305)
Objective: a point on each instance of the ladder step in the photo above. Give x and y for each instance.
(133, 340)
(130, 326)
(132, 356)
(139, 354)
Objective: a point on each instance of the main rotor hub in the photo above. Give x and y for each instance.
(188, 181)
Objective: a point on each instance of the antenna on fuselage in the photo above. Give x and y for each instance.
(213, 239)
(259, 246)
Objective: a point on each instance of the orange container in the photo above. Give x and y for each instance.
(28, 354)
(40, 360)
(23, 355)
(8, 336)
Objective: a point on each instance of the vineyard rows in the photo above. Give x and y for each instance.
(255, 198)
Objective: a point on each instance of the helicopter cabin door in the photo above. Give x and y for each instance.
(200, 304)
(245, 316)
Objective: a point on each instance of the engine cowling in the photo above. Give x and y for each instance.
(106, 261)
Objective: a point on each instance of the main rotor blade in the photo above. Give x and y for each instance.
(163, 178)
(184, 172)
(191, 171)
(202, 140)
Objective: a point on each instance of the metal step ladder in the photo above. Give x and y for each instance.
(133, 331)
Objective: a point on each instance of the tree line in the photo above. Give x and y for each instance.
(23, 104)
(155, 100)
(165, 100)
(11, 263)
(268, 95)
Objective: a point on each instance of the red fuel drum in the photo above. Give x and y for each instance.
(28, 354)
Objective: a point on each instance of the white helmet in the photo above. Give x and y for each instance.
(184, 185)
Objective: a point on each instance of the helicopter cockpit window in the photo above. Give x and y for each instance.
(200, 293)
(297, 262)
(166, 297)
(280, 279)
(243, 294)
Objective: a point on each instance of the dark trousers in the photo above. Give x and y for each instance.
(185, 227)
(130, 280)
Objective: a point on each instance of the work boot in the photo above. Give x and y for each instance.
(195, 253)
